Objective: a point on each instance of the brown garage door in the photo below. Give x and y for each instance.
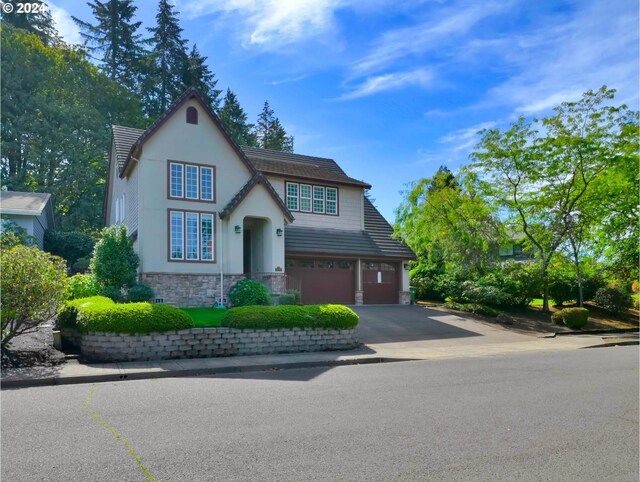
(379, 283)
(323, 280)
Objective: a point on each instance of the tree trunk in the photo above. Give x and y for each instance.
(545, 287)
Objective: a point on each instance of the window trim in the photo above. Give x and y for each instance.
(199, 167)
(310, 198)
(324, 199)
(214, 234)
(287, 196)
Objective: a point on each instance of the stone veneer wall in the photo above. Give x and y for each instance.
(189, 290)
(207, 342)
(405, 298)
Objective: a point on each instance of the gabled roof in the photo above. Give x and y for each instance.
(300, 166)
(257, 178)
(190, 93)
(123, 139)
(26, 203)
(374, 241)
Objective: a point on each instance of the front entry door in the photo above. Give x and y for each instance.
(246, 250)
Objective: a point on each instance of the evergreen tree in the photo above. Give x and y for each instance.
(196, 74)
(166, 62)
(234, 119)
(114, 36)
(270, 133)
(38, 22)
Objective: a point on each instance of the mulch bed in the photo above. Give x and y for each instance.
(33, 349)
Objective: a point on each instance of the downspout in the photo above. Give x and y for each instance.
(221, 304)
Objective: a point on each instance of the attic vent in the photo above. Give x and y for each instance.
(192, 115)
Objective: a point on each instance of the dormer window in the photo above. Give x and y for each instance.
(192, 115)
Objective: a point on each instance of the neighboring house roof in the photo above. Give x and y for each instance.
(374, 241)
(257, 178)
(26, 203)
(123, 139)
(299, 166)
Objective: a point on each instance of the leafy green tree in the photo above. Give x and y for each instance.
(234, 119)
(270, 132)
(69, 245)
(57, 109)
(33, 286)
(38, 22)
(168, 60)
(12, 234)
(449, 225)
(542, 179)
(114, 262)
(197, 74)
(114, 39)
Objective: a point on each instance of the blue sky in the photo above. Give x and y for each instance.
(393, 89)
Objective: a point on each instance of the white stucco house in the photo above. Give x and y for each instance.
(204, 213)
(32, 211)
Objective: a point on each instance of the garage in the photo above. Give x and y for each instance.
(380, 283)
(322, 280)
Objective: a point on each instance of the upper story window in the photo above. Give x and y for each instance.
(191, 182)
(309, 198)
(192, 115)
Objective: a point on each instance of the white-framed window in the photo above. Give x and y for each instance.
(308, 198)
(191, 181)
(318, 199)
(206, 183)
(176, 235)
(176, 179)
(191, 236)
(332, 200)
(305, 198)
(292, 196)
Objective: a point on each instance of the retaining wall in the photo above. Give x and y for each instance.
(207, 342)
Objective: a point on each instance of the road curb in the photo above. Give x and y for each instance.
(590, 332)
(144, 375)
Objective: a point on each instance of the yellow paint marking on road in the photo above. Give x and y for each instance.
(118, 437)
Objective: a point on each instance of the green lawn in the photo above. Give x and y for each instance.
(203, 317)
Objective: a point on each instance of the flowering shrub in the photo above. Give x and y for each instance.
(247, 292)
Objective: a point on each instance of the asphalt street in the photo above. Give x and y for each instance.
(547, 416)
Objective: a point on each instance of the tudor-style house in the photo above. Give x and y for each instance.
(204, 213)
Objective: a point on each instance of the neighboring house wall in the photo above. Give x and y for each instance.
(350, 207)
(35, 225)
(123, 204)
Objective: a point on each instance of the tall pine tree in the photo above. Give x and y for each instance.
(115, 38)
(270, 132)
(234, 119)
(197, 74)
(38, 22)
(166, 62)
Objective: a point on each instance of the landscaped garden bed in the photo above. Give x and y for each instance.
(106, 331)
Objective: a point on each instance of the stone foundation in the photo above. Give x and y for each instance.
(207, 342)
(404, 298)
(189, 290)
(359, 298)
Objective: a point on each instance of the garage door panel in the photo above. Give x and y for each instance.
(323, 281)
(379, 283)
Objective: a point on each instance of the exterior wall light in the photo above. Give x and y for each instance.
(406, 266)
(279, 231)
(238, 229)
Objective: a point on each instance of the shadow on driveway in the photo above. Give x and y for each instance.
(396, 323)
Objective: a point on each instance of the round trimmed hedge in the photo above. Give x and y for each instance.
(333, 317)
(574, 318)
(248, 292)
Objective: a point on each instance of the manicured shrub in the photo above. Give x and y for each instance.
(112, 292)
(82, 286)
(114, 261)
(82, 265)
(139, 292)
(574, 318)
(33, 285)
(562, 288)
(272, 317)
(70, 245)
(247, 292)
(68, 314)
(132, 318)
(286, 299)
(614, 300)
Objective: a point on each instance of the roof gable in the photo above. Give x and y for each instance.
(256, 179)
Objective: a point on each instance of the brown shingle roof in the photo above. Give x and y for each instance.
(123, 139)
(299, 166)
(258, 178)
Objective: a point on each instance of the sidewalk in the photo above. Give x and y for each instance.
(73, 372)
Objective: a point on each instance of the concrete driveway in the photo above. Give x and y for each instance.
(418, 332)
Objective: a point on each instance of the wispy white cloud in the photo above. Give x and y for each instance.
(421, 77)
(465, 139)
(449, 25)
(65, 25)
(558, 61)
(288, 80)
(272, 23)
